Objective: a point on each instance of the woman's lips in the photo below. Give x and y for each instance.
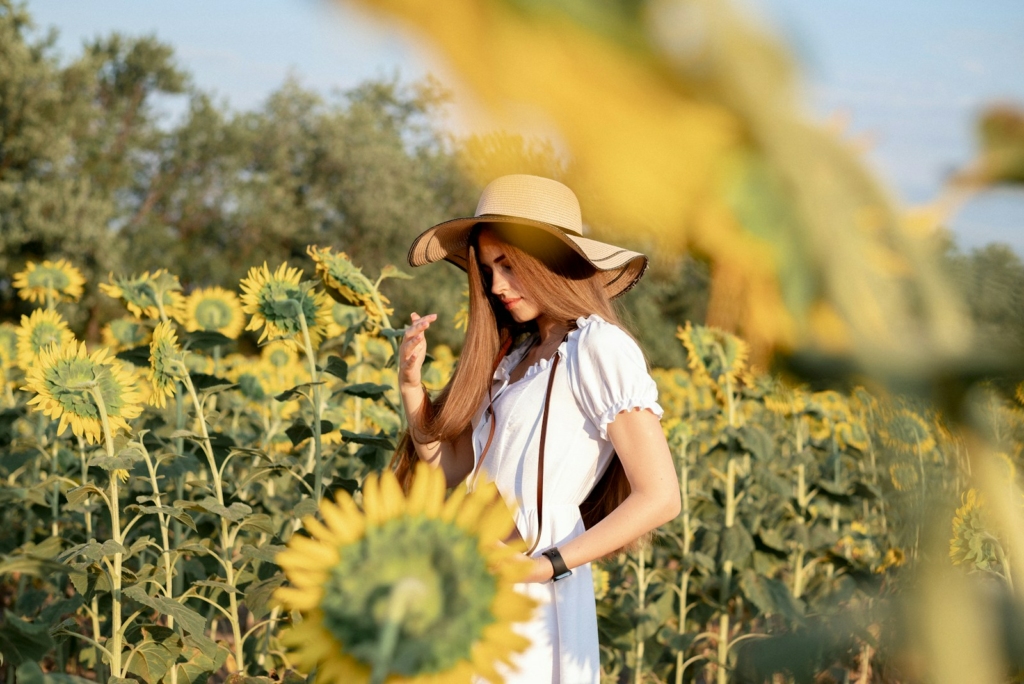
(509, 303)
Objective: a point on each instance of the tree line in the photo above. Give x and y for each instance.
(94, 170)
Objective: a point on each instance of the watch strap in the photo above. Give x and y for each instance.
(558, 563)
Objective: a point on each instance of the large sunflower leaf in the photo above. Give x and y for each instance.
(189, 620)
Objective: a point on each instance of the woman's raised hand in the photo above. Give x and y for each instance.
(413, 351)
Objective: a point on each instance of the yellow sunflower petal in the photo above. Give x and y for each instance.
(317, 554)
(392, 500)
(298, 599)
(343, 518)
(418, 492)
(319, 530)
(453, 504)
(496, 522)
(371, 500)
(435, 495)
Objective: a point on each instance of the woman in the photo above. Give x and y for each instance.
(550, 399)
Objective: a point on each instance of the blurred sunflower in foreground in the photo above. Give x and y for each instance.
(414, 589)
(214, 309)
(83, 390)
(281, 304)
(49, 282)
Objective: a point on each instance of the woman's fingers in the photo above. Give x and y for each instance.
(414, 331)
(414, 346)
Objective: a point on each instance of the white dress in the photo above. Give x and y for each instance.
(601, 373)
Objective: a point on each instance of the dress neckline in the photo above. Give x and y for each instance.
(503, 373)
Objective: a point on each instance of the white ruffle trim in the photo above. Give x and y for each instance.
(626, 405)
(504, 370)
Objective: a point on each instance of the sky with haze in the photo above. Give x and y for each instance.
(907, 77)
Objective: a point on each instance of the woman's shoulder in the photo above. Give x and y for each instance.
(596, 339)
(594, 331)
(608, 372)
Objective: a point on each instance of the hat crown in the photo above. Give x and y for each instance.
(534, 198)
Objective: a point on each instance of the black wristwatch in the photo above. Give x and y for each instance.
(561, 571)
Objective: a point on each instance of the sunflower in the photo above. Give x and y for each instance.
(971, 542)
(461, 321)
(63, 379)
(905, 430)
(602, 581)
(437, 374)
(863, 401)
(818, 428)
(279, 355)
(259, 381)
(893, 558)
(1006, 466)
(832, 404)
(904, 476)
(275, 301)
(125, 333)
(144, 295)
(214, 309)
(50, 281)
(430, 568)
(1019, 393)
(8, 345)
(39, 331)
(714, 355)
(166, 363)
(142, 385)
(347, 284)
(343, 317)
(853, 434)
(198, 363)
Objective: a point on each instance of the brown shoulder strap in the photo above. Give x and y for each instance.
(540, 457)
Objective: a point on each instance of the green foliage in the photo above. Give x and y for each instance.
(991, 281)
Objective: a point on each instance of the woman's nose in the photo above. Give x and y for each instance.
(498, 284)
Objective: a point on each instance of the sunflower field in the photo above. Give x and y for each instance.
(175, 510)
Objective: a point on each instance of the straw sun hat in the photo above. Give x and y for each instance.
(541, 203)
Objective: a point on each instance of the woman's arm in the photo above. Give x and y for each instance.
(455, 458)
(654, 497)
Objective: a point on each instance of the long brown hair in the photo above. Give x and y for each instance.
(565, 287)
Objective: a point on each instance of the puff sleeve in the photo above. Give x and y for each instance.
(608, 373)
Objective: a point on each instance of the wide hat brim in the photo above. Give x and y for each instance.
(619, 268)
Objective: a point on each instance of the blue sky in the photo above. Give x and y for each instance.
(909, 76)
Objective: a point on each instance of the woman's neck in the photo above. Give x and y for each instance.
(548, 328)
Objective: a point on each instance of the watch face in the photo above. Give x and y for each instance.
(563, 575)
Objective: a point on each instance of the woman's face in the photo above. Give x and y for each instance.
(504, 283)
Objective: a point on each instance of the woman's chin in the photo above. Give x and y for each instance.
(519, 317)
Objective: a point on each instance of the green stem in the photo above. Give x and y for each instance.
(404, 594)
(115, 525)
(730, 520)
(179, 450)
(55, 501)
(318, 461)
(165, 534)
(723, 649)
(684, 579)
(641, 595)
(225, 535)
